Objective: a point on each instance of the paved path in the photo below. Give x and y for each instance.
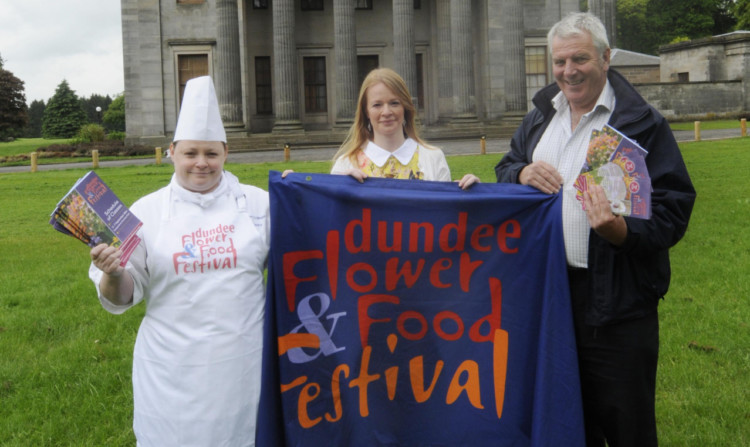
(450, 147)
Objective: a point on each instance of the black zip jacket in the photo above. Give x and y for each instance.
(624, 282)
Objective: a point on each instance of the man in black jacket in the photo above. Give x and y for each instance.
(618, 267)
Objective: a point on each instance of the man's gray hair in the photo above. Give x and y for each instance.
(578, 23)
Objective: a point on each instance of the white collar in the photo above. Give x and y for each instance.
(201, 199)
(606, 99)
(379, 156)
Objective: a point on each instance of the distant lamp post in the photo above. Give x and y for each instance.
(99, 114)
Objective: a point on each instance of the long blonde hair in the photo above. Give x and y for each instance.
(358, 133)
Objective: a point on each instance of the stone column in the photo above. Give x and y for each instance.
(228, 71)
(515, 62)
(403, 43)
(445, 85)
(606, 10)
(285, 67)
(462, 63)
(345, 44)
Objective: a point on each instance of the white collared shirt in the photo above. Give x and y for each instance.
(566, 151)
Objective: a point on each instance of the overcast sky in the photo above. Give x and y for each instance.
(43, 42)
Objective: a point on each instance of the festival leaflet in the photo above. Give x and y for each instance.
(93, 214)
(618, 164)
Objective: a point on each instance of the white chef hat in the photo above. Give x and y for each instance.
(199, 114)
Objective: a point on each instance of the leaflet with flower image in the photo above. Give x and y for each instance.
(618, 164)
(93, 214)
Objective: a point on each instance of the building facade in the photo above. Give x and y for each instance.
(285, 68)
(704, 78)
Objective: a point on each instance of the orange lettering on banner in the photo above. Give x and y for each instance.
(416, 374)
(336, 392)
(363, 380)
(391, 379)
(471, 387)
(500, 368)
(291, 341)
(304, 397)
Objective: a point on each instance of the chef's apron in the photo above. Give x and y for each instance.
(197, 357)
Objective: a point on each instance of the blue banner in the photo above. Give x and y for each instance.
(412, 313)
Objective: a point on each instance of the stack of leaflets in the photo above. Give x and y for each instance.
(92, 213)
(618, 164)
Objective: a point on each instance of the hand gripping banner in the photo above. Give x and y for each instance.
(412, 313)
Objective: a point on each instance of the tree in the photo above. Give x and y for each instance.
(91, 103)
(742, 13)
(36, 114)
(724, 17)
(64, 114)
(13, 110)
(114, 117)
(644, 25)
(632, 29)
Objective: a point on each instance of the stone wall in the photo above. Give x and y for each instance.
(639, 74)
(716, 58)
(695, 100)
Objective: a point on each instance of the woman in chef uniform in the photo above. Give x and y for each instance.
(199, 268)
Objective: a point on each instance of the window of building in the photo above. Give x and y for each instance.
(363, 4)
(536, 71)
(365, 64)
(190, 66)
(263, 92)
(190, 2)
(315, 84)
(312, 5)
(417, 4)
(683, 77)
(260, 4)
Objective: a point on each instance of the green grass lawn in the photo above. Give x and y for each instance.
(65, 363)
(28, 145)
(706, 125)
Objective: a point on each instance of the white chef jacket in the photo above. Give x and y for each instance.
(431, 160)
(197, 356)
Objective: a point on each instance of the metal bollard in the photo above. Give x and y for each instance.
(697, 126)
(287, 152)
(95, 158)
(34, 160)
(483, 145)
(157, 151)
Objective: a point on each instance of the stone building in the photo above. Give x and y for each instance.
(718, 58)
(636, 67)
(290, 70)
(703, 78)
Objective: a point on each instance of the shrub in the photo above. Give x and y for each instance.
(90, 133)
(116, 135)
